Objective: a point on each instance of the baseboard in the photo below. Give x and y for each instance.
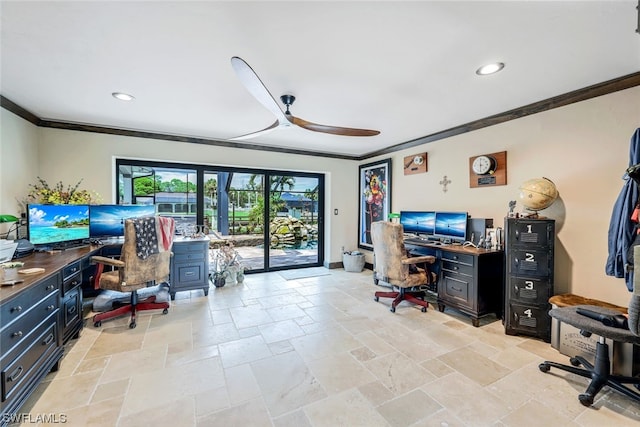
(339, 264)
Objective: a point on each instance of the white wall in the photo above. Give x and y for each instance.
(583, 148)
(73, 155)
(18, 162)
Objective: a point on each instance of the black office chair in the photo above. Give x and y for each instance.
(600, 371)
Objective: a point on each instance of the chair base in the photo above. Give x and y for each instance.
(599, 373)
(416, 297)
(133, 307)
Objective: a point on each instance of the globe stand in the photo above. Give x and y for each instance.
(532, 215)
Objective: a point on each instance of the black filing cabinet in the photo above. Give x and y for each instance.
(190, 265)
(71, 315)
(529, 278)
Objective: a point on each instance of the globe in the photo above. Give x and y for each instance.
(538, 193)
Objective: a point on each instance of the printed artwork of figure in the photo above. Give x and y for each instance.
(375, 189)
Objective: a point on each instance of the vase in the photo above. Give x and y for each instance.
(219, 281)
(231, 275)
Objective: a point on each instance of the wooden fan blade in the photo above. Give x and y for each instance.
(335, 130)
(264, 131)
(254, 85)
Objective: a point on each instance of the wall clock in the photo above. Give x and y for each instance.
(483, 165)
(488, 170)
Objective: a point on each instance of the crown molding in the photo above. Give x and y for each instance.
(604, 88)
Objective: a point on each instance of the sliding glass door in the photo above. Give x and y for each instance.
(293, 219)
(272, 226)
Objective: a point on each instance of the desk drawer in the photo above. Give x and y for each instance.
(188, 257)
(71, 283)
(71, 269)
(19, 305)
(456, 288)
(456, 267)
(456, 257)
(22, 366)
(191, 247)
(12, 334)
(190, 273)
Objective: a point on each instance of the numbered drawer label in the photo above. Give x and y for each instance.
(531, 232)
(530, 290)
(531, 263)
(529, 318)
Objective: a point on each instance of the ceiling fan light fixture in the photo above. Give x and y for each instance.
(123, 96)
(490, 68)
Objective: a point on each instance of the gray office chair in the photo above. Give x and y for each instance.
(601, 324)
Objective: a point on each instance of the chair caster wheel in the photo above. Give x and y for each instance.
(393, 309)
(376, 299)
(424, 309)
(132, 325)
(165, 311)
(544, 367)
(574, 361)
(97, 324)
(585, 399)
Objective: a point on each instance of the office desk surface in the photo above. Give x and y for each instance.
(51, 262)
(452, 248)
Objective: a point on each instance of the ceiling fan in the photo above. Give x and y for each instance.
(285, 119)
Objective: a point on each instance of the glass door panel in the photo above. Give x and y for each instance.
(234, 208)
(293, 220)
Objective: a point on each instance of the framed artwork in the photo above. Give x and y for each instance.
(375, 198)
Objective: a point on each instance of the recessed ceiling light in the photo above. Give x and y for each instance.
(122, 96)
(490, 68)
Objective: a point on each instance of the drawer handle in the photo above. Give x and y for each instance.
(456, 267)
(456, 289)
(48, 340)
(17, 308)
(74, 269)
(71, 309)
(15, 374)
(50, 288)
(189, 273)
(455, 257)
(51, 307)
(16, 334)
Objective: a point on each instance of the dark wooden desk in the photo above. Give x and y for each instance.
(470, 280)
(38, 317)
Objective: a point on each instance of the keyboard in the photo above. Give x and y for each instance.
(418, 240)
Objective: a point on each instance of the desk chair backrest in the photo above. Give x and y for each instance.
(138, 271)
(388, 248)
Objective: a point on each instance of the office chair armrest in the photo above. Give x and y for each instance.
(430, 259)
(107, 261)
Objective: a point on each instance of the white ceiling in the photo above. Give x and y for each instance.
(405, 68)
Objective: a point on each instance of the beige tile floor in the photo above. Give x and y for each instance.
(316, 351)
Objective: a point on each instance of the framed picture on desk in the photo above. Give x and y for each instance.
(375, 198)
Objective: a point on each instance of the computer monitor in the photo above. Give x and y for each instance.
(108, 220)
(52, 224)
(421, 223)
(451, 226)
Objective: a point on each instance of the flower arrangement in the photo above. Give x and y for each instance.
(226, 265)
(42, 193)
